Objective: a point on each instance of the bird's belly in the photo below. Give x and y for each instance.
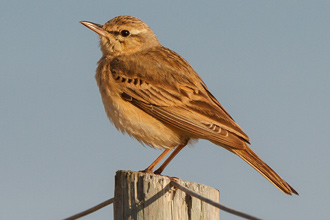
(135, 122)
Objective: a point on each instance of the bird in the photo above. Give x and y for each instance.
(154, 95)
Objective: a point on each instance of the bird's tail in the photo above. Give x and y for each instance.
(251, 158)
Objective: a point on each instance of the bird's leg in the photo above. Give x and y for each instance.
(154, 164)
(169, 159)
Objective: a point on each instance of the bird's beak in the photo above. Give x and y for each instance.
(95, 27)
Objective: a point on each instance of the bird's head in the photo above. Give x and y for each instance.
(123, 35)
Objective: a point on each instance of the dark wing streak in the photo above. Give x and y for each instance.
(158, 98)
(167, 115)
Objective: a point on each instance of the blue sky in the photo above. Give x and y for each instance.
(268, 63)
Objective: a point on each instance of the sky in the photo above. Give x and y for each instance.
(268, 63)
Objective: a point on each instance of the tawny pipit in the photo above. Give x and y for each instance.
(154, 95)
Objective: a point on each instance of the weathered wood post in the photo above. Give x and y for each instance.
(141, 196)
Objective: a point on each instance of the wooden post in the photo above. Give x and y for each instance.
(141, 196)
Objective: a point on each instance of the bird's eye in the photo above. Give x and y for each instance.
(124, 33)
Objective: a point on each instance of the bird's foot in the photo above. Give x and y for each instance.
(158, 171)
(146, 171)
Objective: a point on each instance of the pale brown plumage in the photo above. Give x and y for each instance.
(154, 95)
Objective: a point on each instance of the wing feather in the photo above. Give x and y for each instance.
(175, 95)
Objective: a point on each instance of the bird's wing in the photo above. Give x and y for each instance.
(165, 86)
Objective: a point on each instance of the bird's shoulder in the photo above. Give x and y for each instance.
(158, 66)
